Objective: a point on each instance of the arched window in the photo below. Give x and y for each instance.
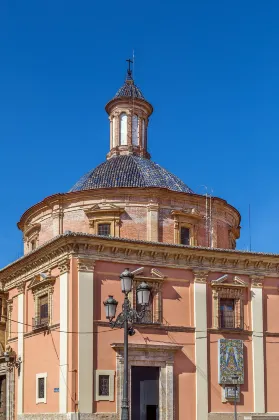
(143, 134)
(123, 129)
(135, 130)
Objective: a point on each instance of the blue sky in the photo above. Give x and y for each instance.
(209, 68)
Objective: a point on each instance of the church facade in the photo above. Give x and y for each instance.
(210, 332)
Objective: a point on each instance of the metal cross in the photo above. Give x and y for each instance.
(130, 62)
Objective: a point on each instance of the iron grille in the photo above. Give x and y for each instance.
(104, 385)
(39, 322)
(41, 387)
(229, 315)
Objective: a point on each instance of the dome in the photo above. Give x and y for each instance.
(130, 171)
(129, 89)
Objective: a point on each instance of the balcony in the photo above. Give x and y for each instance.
(40, 322)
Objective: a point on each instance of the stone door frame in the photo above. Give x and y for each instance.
(153, 355)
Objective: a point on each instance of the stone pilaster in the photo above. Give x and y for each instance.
(152, 222)
(20, 348)
(200, 314)
(64, 267)
(85, 341)
(258, 343)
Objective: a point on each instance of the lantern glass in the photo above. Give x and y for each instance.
(143, 294)
(110, 307)
(126, 280)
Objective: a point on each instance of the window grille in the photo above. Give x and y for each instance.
(41, 388)
(229, 315)
(104, 385)
(44, 308)
(104, 229)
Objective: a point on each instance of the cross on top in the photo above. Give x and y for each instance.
(129, 64)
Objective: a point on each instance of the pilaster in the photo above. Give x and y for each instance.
(20, 350)
(64, 267)
(200, 316)
(152, 222)
(85, 341)
(258, 343)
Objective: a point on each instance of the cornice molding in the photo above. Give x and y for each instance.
(56, 253)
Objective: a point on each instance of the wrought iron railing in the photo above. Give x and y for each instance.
(39, 322)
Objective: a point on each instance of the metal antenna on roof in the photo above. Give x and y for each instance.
(250, 236)
(208, 217)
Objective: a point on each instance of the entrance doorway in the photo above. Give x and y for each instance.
(145, 393)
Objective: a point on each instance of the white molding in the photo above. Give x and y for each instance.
(137, 271)
(85, 341)
(200, 308)
(63, 356)
(258, 349)
(111, 374)
(41, 400)
(20, 382)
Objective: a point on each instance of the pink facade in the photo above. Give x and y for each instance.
(202, 291)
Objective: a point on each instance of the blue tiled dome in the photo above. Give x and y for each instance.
(129, 89)
(130, 171)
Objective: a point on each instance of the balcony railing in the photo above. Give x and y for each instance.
(39, 322)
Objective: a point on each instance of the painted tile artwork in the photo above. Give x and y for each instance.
(230, 360)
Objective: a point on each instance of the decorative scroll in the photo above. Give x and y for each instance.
(230, 361)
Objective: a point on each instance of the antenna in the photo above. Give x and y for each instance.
(208, 218)
(250, 235)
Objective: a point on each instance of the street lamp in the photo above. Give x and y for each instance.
(126, 319)
(11, 360)
(235, 382)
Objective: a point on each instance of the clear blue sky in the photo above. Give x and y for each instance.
(210, 68)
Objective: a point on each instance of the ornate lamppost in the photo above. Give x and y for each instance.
(235, 382)
(126, 319)
(11, 360)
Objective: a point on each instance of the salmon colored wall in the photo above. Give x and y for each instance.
(40, 357)
(14, 316)
(246, 403)
(56, 298)
(175, 296)
(271, 304)
(272, 374)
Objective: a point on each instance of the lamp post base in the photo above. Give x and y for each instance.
(125, 411)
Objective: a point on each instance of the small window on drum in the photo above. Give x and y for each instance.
(185, 236)
(104, 229)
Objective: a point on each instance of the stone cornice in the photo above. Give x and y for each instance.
(56, 253)
(149, 347)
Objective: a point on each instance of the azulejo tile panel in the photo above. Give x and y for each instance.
(230, 360)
